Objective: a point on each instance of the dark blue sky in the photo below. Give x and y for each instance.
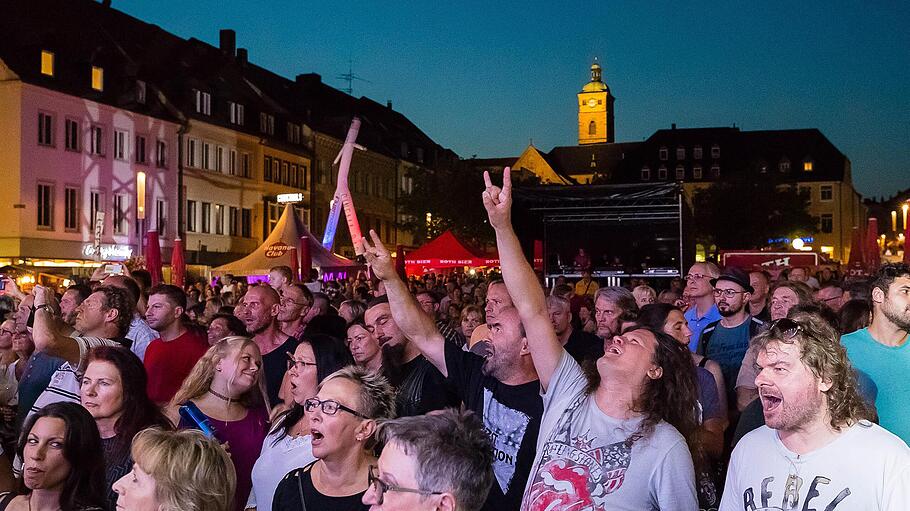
(484, 78)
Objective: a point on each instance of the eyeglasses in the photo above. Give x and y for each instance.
(380, 487)
(838, 297)
(293, 363)
(288, 301)
(695, 276)
(330, 407)
(728, 293)
(785, 329)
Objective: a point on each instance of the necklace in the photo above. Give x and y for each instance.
(220, 396)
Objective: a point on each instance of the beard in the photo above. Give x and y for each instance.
(894, 315)
(728, 310)
(393, 362)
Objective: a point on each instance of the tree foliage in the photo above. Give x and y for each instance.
(745, 213)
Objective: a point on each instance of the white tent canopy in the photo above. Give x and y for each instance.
(276, 250)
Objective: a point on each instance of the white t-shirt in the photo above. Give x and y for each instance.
(585, 460)
(142, 335)
(866, 468)
(274, 462)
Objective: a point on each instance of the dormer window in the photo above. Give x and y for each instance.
(97, 78)
(807, 166)
(203, 101)
(784, 165)
(236, 113)
(47, 63)
(140, 92)
(267, 123)
(664, 153)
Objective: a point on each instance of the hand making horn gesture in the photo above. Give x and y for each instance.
(378, 257)
(498, 201)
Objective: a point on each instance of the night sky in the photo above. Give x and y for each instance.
(485, 78)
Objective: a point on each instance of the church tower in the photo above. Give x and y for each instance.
(595, 110)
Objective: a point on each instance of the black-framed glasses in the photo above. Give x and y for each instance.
(727, 293)
(785, 329)
(330, 407)
(293, 363)
(380, 487)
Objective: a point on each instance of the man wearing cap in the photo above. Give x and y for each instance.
(726, 341)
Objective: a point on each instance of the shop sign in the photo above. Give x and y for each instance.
(277, 249)
(108, 252)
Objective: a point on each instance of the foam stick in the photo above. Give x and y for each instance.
(342, 197)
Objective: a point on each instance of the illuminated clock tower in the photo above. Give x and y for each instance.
(595, 110)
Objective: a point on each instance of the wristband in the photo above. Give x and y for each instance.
(42, 306)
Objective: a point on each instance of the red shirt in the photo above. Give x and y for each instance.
(169, 363)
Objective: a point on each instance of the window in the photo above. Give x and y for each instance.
(245, 165)
(592, 128)
(96, 205)
(715, 151)
(140, 92)
(233, 221)
(419, 155)
(267, 168)
(274, 212)
(203, 102)
(294, 178)
(246, 223)
(645, 174)
(45, 129)
(763, 167)
(121, 202)
(236, 113)
(161, 153)
(696, 172)
(141, 155)
(120, 145)
(71, 132)
(207, 156)
(191, 216)
(96, 136)
(827, 193)
(219, 219)
(696, 152)
(827, 223)
(276, 168)
(320, 172)
(664, 153)
(680, 153)
(70, 208)
(192, 159)
(219, 159)
(232, 162)
(47, 63)
(161, 217)
(285, 173)
(807, 166)
(206, 217)
(267, 123)
(305, 177)
(715, 171)
(680, 172)
(45, 206)
(662, 173)
(784, 165)
(293, 133)
(97, 78)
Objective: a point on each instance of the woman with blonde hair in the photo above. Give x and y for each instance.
(343, 417)
(225, 395)
(177, 471)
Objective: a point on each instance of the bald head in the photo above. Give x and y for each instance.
(265, 294)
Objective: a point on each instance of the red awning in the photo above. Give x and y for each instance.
(446, 251)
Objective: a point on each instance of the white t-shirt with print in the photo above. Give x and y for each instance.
(586, 460)
(866, 468)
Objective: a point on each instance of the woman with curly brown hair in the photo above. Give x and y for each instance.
(818, 443)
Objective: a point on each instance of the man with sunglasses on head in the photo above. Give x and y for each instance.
(727, 340)
(881, 351)
(818, 449)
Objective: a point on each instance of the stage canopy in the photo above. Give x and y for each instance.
(280, 249)
(446, 252)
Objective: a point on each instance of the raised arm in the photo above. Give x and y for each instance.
(49, 333)
(520, 280)
(413, 322)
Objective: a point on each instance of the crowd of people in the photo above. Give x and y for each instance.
(729, 390)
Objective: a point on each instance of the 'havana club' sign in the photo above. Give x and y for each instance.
(277, 249)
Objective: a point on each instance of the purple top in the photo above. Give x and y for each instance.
(244, 438)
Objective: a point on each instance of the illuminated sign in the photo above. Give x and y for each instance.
(108, 252)
(284, 198)
(277, 249)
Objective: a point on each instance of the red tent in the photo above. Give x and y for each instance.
(445, 252)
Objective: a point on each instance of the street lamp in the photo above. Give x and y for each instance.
(140, 207)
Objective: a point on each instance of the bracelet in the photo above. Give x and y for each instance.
(42, 306)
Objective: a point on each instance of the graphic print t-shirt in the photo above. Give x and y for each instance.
(586, 461)
(866, 468)
(511, 415)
